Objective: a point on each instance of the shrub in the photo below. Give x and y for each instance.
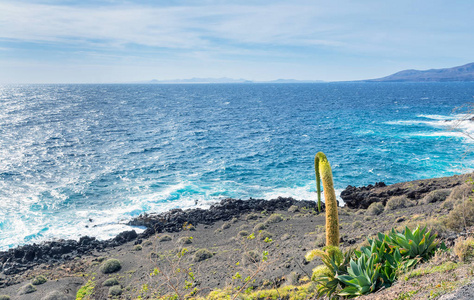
(243, 233)
(225, 226)
(27, 289)
(461, 216)
(436, 196)
(137, 248)
(357, 224)
(164, 238)
(398, 202)
(293, 209)
(274, 218)
(115, 290)
(252, 216)
(185, 240)
(250, 257)
(263, 234)
(464, 248)
(202, 254)
(54, 295)
(320, 240)
(375, 209)
(110, 282)
(39, 280)
(259, 226)
(457, 195)
(110, 266)
(4, 297)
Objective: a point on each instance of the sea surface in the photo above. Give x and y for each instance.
(83, 159)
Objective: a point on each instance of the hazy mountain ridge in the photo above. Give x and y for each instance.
(227, 80)
(459, 73)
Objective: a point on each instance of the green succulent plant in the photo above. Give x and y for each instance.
(418, 243)
(323, 172)
(336, 263)
(363, 276)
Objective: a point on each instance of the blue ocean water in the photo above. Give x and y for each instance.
(83, 159)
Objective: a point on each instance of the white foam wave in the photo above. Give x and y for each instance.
(456, 125)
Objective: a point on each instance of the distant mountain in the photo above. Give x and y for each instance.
(226, 80)
(201, 80)
(461, 73)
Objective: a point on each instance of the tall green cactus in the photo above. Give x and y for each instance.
(323, 172)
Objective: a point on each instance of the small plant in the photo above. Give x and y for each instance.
(115, 290)
(398, 202)
(137, 248)
(436, 196)
(164, 238)
(418, 243)
(264, 235)
(375, 209)
(464, 248)
(185, 240)
(335, 263)
(4, 297)
(110, 282)
(243, 233)
(110, 266)
(27, 289)
(293, 209)
(323, 173)
(274, 218)
(202, 254)
(259, 226)
(85, 291)
(39, 280)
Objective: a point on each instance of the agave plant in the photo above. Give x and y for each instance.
(363, 276)
(336, 263)
(418, 243)
(392, 262)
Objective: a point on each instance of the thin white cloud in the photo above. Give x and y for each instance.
(170, 27)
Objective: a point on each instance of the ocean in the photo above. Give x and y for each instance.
(84, 159)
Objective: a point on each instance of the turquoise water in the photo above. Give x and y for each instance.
(70, 153)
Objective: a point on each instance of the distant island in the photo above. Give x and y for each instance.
(226, 80)
(460, 73)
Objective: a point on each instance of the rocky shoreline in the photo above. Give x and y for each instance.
(25, 257)
(21, 258)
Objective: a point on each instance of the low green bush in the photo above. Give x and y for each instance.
(4, 297)
(398, 202)
(202, 254)
(274, 218)
(27, 289)
(263, 234)
(39, 280)
(164, 238)
(436, 196)
(115, 290)
(110, 282)
(259, 226)
(375, 209)
(110, 266)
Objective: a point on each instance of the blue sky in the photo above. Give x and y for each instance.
(126, 41)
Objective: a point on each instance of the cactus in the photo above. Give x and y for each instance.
(323, 172)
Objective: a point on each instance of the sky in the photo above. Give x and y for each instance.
(88, 41)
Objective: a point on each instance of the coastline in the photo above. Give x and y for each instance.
(218, 228)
